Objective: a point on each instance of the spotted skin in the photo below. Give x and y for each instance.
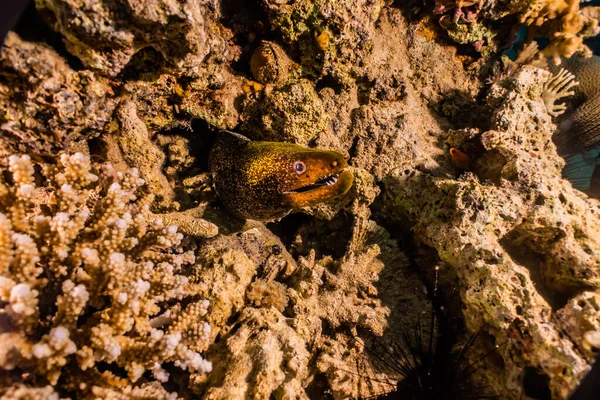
(261, 180)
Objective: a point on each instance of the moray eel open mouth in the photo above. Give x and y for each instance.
(326, 187)
(327, 180)
(265, 181)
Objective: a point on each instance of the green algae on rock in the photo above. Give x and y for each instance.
(267, 180)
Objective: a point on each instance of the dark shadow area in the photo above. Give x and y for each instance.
(201, 136)
(319, 388)
(329, 81)
(425, 354)
(353, 151)
(249, 23)
(287, 228)
(112, 367)
(144, 65)
(590, 385)
(34, 26)
(178, 381)
(536, 384)
(422, 329)
(523, 255)
(310, 235)
(11, 12)
(300, 233)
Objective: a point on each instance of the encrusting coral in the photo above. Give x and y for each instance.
(91, 287)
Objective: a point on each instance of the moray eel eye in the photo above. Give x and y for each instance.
(299, 167)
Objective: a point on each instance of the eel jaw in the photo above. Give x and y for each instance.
(327, 180)
(327, 187)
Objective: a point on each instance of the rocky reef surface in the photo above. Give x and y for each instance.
(122, 275)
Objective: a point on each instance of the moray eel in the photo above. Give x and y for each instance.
(580, 127)
(267, 180)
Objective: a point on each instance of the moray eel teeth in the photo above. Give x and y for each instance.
(327, 180)
(267, 180)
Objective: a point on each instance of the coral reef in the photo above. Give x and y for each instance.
(101, 295)
(580, 317)
(86, 277)
(108, 35)
(268, 119)
(266, 351)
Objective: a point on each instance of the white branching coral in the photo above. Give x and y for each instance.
(91, 286)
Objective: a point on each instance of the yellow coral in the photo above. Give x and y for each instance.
(563, 23)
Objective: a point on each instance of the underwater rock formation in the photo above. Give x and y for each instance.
(131, 308)
(500, 239)
(46, 105)
(108, 34)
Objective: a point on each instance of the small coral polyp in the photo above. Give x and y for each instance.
(85, 277)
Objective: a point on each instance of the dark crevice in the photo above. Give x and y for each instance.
(201, 138)
(178, 382)
(353, 151)
(287, 228)
(250, 24)
(329, 81)
(536, 385)
(319, 387)
(118, 371)
(34, 27)
(144, 65)
(523, 255)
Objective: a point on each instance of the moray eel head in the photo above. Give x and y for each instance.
(266, 180)
(315, 176)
